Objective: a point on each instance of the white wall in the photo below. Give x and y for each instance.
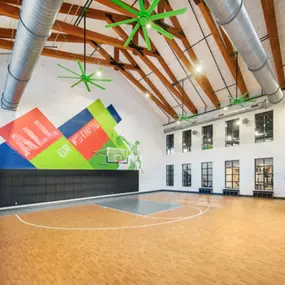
(59, 103)
(246, 153)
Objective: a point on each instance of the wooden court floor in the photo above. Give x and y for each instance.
(205, 241)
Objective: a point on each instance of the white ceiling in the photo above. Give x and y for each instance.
(194, 35)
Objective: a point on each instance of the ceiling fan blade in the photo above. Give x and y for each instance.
(87, 86)
(69, 77)
(99, 86)
(100, 80)
(76, 83)
(146, 37)
(68, 70)
(153, 6)
(162, 31)
(132, 34)
(126, 7)
(168, 14)
(244, 95)
(141, 2)
(90, 75)
(80, 66)
(122, 23)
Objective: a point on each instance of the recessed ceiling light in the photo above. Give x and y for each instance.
(199, 68)
(147, 95)
(148, 26)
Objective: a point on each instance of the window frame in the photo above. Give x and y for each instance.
(236, 122)
(205, 138)
(208, 181)
(169, 144)
(263, 174)
(187, 174)
(170, 175)
(186, 145)
(232, 175)
(264, 138)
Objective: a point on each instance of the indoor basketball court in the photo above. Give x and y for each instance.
(142, 142)
(156, 238)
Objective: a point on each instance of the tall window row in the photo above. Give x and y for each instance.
(264, 132)
(169, 175)
(263, 174)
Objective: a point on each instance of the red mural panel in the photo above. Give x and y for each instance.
(30, 134)
(89, 139)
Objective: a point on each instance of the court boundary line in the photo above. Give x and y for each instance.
(177, 218)
(113, 228)
(166, 210)
(148, 216)
(77, 199)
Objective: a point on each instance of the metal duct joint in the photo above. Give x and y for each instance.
(34, 27)
(232, 15)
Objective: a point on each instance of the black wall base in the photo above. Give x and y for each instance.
(20, 187)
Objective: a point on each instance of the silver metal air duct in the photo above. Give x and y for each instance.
(232, 15)
(34, 27)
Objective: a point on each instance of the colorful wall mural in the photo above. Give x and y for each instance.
(87, 141)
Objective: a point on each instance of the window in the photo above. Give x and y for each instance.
(207, 174)
(186, 175)
(169, 175)
(170, 144)
(207, 133)
(264, 127)
(232, 132)
(232, 174)
(186, 141)
(264, 174)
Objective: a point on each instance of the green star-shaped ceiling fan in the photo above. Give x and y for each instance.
(83, 76)
(144, 20)
(242, 100)
(185, 117)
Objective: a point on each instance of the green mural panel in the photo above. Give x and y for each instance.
(60, 155)
(107, 122)
(99, 160)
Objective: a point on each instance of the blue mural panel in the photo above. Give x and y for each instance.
(76, 123)
(114, 114)
(10, 159)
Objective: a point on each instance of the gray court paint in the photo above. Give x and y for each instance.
(136, 206)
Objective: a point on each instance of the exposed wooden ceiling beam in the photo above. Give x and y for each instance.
(225, 49)
(55, 37)
(149, 82)
(271, 23)
(130, 77)
(188, 103)
(8, 45)
(76, 10)
(176, 32)
(161, 6)
(13, 12)
(200, 78)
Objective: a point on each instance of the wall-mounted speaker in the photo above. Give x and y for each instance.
(195, 133)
